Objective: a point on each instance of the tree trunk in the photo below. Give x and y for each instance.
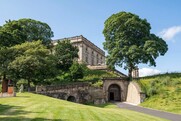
(29, 86)
(130, 73)
(4, 83)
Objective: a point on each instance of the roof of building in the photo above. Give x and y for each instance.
(76, 39)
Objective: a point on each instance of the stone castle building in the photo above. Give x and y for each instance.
(113, 88)
(88, 53)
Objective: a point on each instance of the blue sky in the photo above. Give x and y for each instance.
(86, 17)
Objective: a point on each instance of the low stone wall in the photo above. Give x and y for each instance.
(80, 93)
(85, 93)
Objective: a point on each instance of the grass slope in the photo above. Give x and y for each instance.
(163, 91)
(97, 74)
(34, 107)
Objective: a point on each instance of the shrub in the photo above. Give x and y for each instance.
(76, 71)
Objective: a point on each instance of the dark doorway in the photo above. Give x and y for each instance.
(71, 99)
(111, 96)
(114, 93)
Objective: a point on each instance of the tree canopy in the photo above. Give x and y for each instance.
(22, 30)
(76, 71)
(65, 53)
(33, 62)
(129, 41)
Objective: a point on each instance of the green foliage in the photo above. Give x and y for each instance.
(6, 56)
(92, 76)
(166, 81)
(129, 41)
(163, 91)
(22, 30)
(98, 84)
(33, 63)
(20, 82)
(65, 53)
(76, 71)
(97, 75)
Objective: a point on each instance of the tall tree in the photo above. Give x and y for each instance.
(65, 53)
(22, 30)
(129, 42)
(33, 62)
(6, 56)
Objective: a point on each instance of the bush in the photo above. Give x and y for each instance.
(76, 71)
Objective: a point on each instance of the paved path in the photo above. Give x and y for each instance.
(161, 114)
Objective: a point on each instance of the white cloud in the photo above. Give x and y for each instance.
(170, 33)
(148, 71)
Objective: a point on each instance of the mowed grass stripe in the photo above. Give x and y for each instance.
(34, 107)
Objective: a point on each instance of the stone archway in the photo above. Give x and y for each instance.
(114, 93)
(119, 84)
(71, 99)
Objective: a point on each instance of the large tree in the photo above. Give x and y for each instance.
(65, 53)
(6, 56)
(33, 62)
(129, 42)
(22, 30)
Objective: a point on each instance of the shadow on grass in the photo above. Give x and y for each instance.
(12, 110)
(10, 113)
(20, 118)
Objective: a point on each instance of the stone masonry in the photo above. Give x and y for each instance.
(88, 53)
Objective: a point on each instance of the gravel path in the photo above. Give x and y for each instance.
(161, 114)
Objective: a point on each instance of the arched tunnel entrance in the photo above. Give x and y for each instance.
(114, 93)
(71, 99)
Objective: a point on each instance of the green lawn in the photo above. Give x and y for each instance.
(34, 107)
(163, 91)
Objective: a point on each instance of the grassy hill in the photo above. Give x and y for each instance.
(163, 92)
(34, 107)
(92, 76)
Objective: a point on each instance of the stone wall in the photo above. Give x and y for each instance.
(134, 95)
(114, 89)
(88, 53)
(81, 93)
(121, 82)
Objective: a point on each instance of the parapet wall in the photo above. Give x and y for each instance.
(82, 93)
